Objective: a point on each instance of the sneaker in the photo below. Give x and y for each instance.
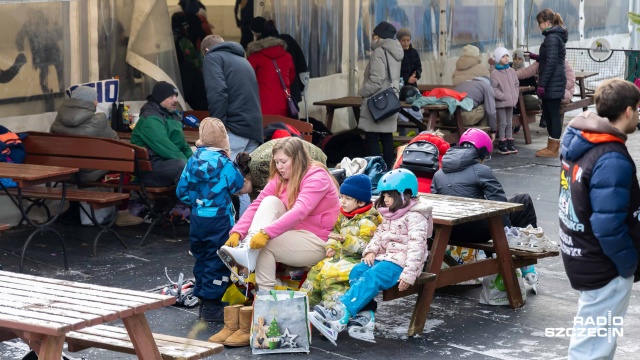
(511, 147)
(502, 147)
(516, 238)
(124, 218)
(538, 241)
(361, 326)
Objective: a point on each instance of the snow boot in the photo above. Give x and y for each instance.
(242, 335)
(231, 314)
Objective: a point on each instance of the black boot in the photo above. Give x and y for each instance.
(511, 147)
(211, 311)
(502, 147)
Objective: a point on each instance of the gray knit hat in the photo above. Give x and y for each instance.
(85, 93)
(402, 33)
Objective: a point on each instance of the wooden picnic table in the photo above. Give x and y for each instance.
(27, 175)
(354, 103)
(449, 211)
(41, 311)
(580, 77)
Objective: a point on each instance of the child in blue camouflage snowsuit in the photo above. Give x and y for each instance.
(206, 184)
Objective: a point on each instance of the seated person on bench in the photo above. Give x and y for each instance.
(479, 89)
(464, 174)
(77, 116)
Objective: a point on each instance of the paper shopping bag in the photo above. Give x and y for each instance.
(280, 322)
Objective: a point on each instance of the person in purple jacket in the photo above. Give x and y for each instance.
(289, 222)
(506, 88)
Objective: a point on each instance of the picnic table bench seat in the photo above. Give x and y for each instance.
(117, 339)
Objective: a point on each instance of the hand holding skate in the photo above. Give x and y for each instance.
(234, 240)
(259, 240)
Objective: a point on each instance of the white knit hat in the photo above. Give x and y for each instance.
(499, 53)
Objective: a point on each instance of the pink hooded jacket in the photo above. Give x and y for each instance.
(403, 240)
(315, 210)
(532, 70)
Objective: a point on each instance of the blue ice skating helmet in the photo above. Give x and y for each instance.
(400, 180)
(191, 121)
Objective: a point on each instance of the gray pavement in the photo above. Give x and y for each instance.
(458, 325)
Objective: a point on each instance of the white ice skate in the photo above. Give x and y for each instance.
(324, 326)
(531, 279)
(240, 260)
(362, 325)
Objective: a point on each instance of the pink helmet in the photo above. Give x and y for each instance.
(479, 139)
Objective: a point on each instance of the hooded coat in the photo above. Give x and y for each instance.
(469, 66)
(261, 55)
(79, 117)
(401, 238)
(599, 204)
(376, 79)
(232, 90)
(551, 71)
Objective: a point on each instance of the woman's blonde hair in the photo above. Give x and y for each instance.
(548, 15)
(301, 161)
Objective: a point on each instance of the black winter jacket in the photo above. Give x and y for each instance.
(551, 71)
(410, 64)
(232, 90)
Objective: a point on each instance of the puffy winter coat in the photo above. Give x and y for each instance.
(401, 238)
(532, 70)
(261, 54)
(469, 67)
(232, 90)
(376, 79)
(79, 117)
(505, 86)
(551, 70)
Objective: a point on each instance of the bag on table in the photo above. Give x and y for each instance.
(292, 108)
(385, 103)
(494, 291)
(280, 322)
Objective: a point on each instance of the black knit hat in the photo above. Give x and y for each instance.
(257, 24)
(162, 90)
(385, 30)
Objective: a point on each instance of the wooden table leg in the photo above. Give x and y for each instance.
(141, 337)
(458, 116)
(51, 347)
(425, 297)
(330, 111)
(433, 117)
(505, 262)
(524, 119)
(583, 92)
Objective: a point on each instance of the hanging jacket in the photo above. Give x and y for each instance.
(552, 75)
(599, 204)
(207, 182)
(261, 54)
(376, 79)
(401, 238)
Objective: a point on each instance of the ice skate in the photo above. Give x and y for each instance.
(530, 277)
(362, 325)
(325, 328)
(240, 260)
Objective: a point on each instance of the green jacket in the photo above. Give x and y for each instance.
(161, 132)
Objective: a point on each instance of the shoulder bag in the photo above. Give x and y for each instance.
(385, 103)
(292, 108)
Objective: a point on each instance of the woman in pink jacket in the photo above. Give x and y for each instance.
(290, 220)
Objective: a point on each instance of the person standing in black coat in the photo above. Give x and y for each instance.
(411, 67)
(552, 76)
(263, 28)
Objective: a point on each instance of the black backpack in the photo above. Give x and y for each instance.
(421, 156)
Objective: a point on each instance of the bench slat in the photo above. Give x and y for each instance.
(117, 339)
(39, 326)
(134, 187)
(86, 163)
(89, 196)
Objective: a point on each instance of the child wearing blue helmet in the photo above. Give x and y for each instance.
(394, 256)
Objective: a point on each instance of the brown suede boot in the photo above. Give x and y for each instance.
(231, 314)
(241, 337)
(551, 151)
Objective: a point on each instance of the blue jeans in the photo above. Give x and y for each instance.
(367, 281)
(594, 305)
(239, 144)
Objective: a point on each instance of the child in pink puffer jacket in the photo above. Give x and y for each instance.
(394, 256)
(506, 86)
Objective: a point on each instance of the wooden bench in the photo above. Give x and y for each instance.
(82, 152)
(117, 339)
(305, 128)
(137, 162)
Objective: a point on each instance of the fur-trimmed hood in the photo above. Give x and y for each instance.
(274, 47)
